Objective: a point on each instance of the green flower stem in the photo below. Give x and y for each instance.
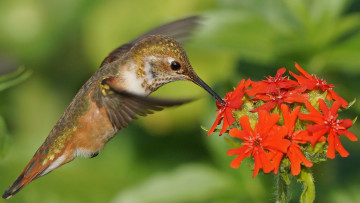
(282, 189)
(308, 194)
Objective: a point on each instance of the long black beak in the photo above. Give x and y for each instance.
(202, 84)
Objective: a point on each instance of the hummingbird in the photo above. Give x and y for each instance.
(114, 96)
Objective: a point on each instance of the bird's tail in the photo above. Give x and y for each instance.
(32, 171)
(35, 169)
(15, 187)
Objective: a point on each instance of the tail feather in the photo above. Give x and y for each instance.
(14, 188)
(32, 171)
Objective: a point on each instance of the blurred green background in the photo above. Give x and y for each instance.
(166, 157)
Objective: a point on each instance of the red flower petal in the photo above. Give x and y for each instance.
(304, 83)
(275, 139)
(296, 98)
(314, 114)
(289, 118)
(303, 72)
(324, 108)
(265, 162)
(241, 134)
(331, 148)
(272, 84)
(216, 123)
(317, 131)
(242, 153)
(288, 84)
(245, 124)
(261, 161)
(302, 136)
(333, 96)
(296, 158)
(339, 147)
(266, 136)
(347, 123)
(334, 108)
(348, 134)
(225, 126)
(266, 122)
(257, 87)
(312, 117)
(264, 97)
(265, 107)
(276, 160)
(335, 144)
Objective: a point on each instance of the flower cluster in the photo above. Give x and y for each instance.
(281, 120)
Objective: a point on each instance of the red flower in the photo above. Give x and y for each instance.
(294, 153)
(327, 123)
(266, 136)
(272, 84)
(314, 83)
(293, 96)
(233, 101)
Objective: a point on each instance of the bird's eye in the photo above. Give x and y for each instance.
(175, 66)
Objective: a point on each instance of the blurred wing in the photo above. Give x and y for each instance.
(122, 107)
(180, 30)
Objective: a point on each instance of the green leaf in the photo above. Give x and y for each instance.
(286, 178)
(306, 178)
(351, 103)
(354, 120)
(204, 128)
(216, 130)
(14, 78)
(232, 143)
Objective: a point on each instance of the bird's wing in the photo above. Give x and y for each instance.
(116, 54)
(180, 30)
(122, 107)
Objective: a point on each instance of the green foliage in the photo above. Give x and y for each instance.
(306, 178)
(4, 138)
(283, 31)
(188, 183)
(7, 81)
(13, 78)
(65, 41)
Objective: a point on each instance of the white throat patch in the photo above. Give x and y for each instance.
(133, 83)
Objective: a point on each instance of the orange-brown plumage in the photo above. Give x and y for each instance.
(95, 129)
